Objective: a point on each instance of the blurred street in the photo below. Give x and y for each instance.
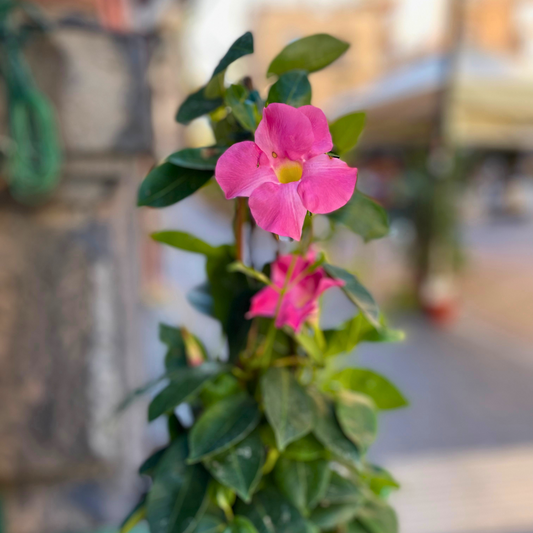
(463, 450)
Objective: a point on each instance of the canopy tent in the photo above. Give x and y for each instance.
(488, 104)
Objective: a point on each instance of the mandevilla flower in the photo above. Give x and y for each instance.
(295, 298)
(286, 171)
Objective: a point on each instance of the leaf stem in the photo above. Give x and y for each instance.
(240, 215)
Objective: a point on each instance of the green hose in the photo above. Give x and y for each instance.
(33, 156)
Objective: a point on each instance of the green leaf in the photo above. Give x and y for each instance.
(357, 417)
(302, 483)
(330, 434)
(222, 425)
(344, 339)
(229, 131)
(238, 266)
(196, 105)
(176, 356)
(136, 515)
(363, 216)
(243, 46)
(310, 345)
(380, 481)
(201, 299)
(240, 524)
(342, 490)
(137, 393)
(307, 448)
(168, 184)
(288, 408)
(333, 515)
(210, 524)
(244, 110)
(292, 88)
(177, 497)
(240, 467)
(377, 517)
(270, 512)
(357, 293)
(345, 131)
(310, 53)
(185, 241)
(198, 158)
(384, 393)
(148, 467)
(184, 385)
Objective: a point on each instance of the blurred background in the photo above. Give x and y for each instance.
(448, 149)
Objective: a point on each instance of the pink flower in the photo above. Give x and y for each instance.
(286, 171)
(300, 299)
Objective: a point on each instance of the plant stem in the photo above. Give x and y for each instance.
(240, 215)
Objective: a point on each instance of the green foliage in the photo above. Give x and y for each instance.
(221, 425)
(357, 293)
(177, 498)
(292, 88)
(345, 131)
(168, 184)
(310, 54)
(209, 97)
(384, 393)
(240, 467)
(280, 431)
(363, 216)
(288, 408)
(197, 158)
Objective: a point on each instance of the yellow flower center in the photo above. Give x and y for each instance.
(289, 172)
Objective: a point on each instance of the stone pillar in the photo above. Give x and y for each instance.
(69, 296)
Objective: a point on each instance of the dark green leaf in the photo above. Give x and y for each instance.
(363, 216)
(302, 483)
(244, 110)
(342, 490)
(136, 515)
(137, 393)
(377, 517)
(199, 158)
(184, 385)
(310, 53)
(210, 524)
(222, 425)
(292, 88)
(176, 356)
(307, 448)
(345, 131)
(357, 293)
(177, 498)
(147, 468)
(243, 46)
(333, 515)
(196, 105)
(356, 414)
(168, 184)
(384, 393)
(240, 524)
(201, 299)
(270, 512)
(240, 467)
(288, 408)
(185, 241)
(330, 434)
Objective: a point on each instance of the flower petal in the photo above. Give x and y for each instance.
(264, 303)
(327, 184)
(293, 316)
(242, 168)
(323, 142)
(277, 207)
(285, 132)
(280, 268)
